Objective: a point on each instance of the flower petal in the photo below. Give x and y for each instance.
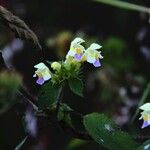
(77, 40)
(97, 63)
(78, 57)
(91, 59)
(145, 107)
(40, 81)
(34, 75)
(145, 124)
(46, 76)
(71, 53)
(95, 46)
(40, 66)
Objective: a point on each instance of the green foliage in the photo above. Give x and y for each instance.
(68, 116)
(9, 84)
(116, 48)
(144, 146)
(64, 114)
(48, 95)
(105, 132)
(76, 86)
(67, 71)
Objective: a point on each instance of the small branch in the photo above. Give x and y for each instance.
(125, 5)
(59, 98)
(29, 98)
(18, 26)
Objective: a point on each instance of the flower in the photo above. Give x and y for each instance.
(42, 72)
(76, 49)
(92, 55)
(56, 66)
(145, 115)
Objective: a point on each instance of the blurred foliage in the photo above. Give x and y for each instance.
(117, 55)
(9, 84)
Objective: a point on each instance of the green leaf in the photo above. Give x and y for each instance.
(76, 86)
(48, 95)
(145, 146)
(63, 113)
(105, 132)
(19, 146)
(69, 117)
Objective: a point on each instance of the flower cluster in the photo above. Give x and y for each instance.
(145, 115)
(76, 55)
(79, 53)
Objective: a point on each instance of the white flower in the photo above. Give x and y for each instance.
(76, 49)
(145, 115)
(92, 55)
(42, 72)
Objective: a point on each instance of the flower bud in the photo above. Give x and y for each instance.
(56, 66)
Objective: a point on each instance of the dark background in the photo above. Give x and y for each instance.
(114, 89)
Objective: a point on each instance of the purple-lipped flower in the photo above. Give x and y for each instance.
(145, 115)
(76, 49)
(42, 72)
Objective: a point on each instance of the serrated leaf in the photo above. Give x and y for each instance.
(144, 146)
(48, 95)
(76, 86)
(105, 132)
(71, 118)
(64, 114)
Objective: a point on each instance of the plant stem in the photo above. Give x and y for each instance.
(125, 5)
(28, 97)
(59, 98)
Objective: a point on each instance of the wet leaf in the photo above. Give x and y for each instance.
(105, 132)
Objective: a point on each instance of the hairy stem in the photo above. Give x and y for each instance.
(59, 98)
